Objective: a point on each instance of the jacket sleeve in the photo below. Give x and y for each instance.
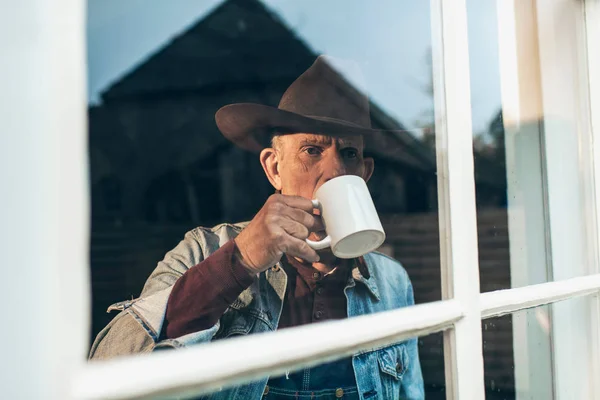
(412, 384)
(202, 295)
(136, 329)
(122, 336)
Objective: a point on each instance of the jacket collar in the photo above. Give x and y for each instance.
(363, 272)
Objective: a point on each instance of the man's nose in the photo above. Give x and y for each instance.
(335, 167)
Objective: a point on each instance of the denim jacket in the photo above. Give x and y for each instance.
(392, 372)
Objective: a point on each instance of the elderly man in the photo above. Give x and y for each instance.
(241, 279)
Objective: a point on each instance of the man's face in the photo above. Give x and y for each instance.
(307, 161)
(302, 162)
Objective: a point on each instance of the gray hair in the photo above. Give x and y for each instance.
(276, 141)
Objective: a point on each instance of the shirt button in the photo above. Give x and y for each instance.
(319, 314)
(320, 291)
(339, 393)
(316, 275)
(266, 391)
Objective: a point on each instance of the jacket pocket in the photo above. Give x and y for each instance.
(393, 361)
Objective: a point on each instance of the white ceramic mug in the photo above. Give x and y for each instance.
(351, 221)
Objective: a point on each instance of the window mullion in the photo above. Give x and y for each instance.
(456, 193)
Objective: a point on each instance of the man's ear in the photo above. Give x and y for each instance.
(369, 166)
(269, 159)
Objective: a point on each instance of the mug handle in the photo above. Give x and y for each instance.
(321, 244)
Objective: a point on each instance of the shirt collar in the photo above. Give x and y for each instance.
(361, 272)
(306, 270)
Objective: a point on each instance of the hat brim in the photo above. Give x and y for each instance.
(251, 126)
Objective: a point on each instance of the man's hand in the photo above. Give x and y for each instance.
(281, 226)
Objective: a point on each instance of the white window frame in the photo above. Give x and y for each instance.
(45, 233)
(550, 164)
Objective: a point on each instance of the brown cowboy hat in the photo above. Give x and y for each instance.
(320, 101)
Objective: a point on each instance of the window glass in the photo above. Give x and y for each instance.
(524, 353)
(160, 166)
(531, 143)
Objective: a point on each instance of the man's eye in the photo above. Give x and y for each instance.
(350, 153)
(312, 151)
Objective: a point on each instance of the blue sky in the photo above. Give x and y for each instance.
(391, 42)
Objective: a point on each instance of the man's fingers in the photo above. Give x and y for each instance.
(292, 217)
(314, 223)
(298, 202)
(295, 229)
(299, 248)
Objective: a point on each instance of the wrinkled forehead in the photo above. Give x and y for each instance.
(300, 139)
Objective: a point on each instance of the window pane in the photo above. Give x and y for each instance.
(398, 377)
(431, 352)
(160, 166)
(523, 352)
(533, 165)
